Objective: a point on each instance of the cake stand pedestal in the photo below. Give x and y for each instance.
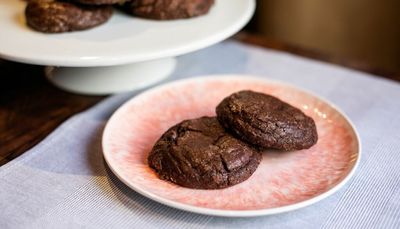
(110, 79)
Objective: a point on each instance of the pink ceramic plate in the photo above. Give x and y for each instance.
(282, 182)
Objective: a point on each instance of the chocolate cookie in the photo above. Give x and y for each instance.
(200, 154)
(168, 9)
(51, 16)
(266, 121)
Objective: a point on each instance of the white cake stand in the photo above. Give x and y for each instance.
(124, 54)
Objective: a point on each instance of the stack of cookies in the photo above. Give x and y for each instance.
(218, 152)
(58, 16)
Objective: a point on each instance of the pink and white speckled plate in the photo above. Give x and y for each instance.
(282, 182)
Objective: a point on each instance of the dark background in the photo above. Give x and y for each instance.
(367, 31)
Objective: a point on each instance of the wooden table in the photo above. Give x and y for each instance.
(31, 108)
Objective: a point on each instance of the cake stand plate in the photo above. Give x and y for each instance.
(139, 50)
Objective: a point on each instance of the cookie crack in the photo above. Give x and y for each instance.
(215, 142)
(224, 164)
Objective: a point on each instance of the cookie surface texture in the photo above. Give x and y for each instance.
(266, 121)
(169, 9)
(200, 154)
(49, 16)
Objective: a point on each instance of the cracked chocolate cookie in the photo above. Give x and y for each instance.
(200, 154)
(168, 9)
(50, 16)
(266, 121)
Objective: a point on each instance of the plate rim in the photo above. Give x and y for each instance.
(234, 213)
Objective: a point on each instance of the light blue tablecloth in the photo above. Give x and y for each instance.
(63, 181)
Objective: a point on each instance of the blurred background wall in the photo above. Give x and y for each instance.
(365, 30)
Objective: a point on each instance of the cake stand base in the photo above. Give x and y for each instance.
(109, 80)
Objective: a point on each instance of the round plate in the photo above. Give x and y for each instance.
(283, 181)
(123, 39)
